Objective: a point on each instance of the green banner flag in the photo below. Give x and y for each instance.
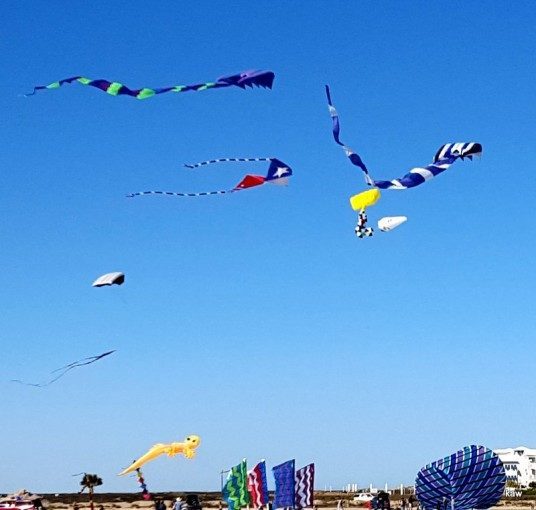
(235, 490)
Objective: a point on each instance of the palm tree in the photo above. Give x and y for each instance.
(89, 482)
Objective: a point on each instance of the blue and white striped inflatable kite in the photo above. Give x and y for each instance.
(473, 477)
(445, 156)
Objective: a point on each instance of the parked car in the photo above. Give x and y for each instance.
(22, 500)
(363, 497)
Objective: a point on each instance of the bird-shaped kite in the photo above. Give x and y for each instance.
(187, 448)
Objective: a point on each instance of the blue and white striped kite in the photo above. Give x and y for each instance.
(473, 477)
(444, 158)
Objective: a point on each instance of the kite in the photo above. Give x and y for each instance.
(473, 477)
(444, 158)
(109, 279)
(278, 173)
(365, 199)
(244, 79)
(187, 448)
(63, 370)
(446, 155)
(360, 202)
(389, 223)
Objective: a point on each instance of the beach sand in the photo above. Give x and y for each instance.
(128, 501)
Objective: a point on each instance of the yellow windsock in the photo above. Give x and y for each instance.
(365, 199)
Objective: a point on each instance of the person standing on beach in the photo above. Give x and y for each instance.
(178, 504)
(380, 505)
(383, 498)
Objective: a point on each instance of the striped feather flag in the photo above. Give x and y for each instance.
(257, 485)
(284, 485)
(235, 490)
(305, 486)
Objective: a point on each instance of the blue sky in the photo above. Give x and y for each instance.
(258, 320)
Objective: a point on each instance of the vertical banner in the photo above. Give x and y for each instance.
(235, 490)
(305, 487)
(258, 486)
(284, 485)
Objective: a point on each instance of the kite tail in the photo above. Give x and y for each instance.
(225, 160)
(175, 194)
(334, 117)
(354, 158)
(65, 369)
(143, 486)
(361, 230)
(55, 85)
(28, 384)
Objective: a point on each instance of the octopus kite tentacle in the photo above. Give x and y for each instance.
(244, 79)
(225, 160)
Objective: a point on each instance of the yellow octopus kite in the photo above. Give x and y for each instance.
(187, 448)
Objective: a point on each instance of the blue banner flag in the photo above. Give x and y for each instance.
(284, 485)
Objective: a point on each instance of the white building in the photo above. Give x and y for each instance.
(519, 464)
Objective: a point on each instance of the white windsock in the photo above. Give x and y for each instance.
(391, 222)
